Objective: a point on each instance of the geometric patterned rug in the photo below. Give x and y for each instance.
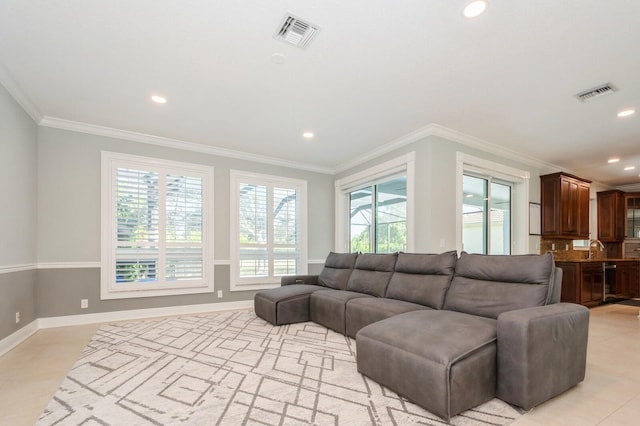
(232, 368)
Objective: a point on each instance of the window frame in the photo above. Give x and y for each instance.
(486, 224)
(400, 166)
(519, 180)
(109, 287)
(236, 283)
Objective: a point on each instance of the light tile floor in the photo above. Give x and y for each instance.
(610, 395)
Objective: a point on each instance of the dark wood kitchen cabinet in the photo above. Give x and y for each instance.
(632, 215)
(627, 278)
(570, 281)
(582, 282)
(592, 283)
(564, 200)
(611, 216)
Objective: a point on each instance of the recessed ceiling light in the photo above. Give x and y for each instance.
(475, 8)
(278, 58)
(159, 99)
(613, 160)
(630, 168)
(626, 112)
(307, 135)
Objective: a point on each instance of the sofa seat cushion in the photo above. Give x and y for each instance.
(327, 307)
(284, 305)
(490, 285)
(443, 361)
(366, 310)
(422, 278)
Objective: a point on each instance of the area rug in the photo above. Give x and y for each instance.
(232, 368)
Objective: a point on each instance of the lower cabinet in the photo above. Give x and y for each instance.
(570, 282)
(627, 279)
(592, 283)
(582, 283)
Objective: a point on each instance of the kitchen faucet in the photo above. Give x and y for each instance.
(595, 244)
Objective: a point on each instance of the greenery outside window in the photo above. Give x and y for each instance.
(378, 217)
(375, 208)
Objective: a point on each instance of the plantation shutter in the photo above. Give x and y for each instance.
(254, 231)
(159, 227)
(184, 250)
(286, 245)
(268, 237)
(138, 222)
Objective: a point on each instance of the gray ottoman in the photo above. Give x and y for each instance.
(284, 305)
(443, 361)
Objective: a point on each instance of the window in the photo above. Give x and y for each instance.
(157, 225)
(374, 208)
(268, 230)
(378, 217)
(486, 215)
(492, 207)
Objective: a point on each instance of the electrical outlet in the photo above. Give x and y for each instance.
(219, 294)
(17, 317)
(443, 242)
(84, 303)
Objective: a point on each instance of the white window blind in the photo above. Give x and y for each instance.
(156, 232)
(268, 230)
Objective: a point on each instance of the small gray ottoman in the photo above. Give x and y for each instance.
(444, 361)
(284, 305)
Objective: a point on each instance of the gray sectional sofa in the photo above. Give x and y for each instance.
(447, 333)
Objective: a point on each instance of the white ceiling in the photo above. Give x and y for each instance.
(378, 70)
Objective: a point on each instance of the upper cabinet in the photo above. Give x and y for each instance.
(611, 216)
(632, 215)
(618, 216)
(564, 200)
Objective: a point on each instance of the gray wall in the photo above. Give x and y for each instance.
(436, 189)
(18, 162)
(69, 219)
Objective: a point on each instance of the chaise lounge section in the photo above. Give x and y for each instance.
(453, 332)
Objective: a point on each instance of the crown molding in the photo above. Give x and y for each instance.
(92, 129)
(491, 148)
(434, 129)
(18, 94)
(412, 137)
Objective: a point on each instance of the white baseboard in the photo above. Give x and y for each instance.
(65, 321)
(14, 339)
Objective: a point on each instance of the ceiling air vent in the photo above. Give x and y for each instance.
(596, 92)
(295, 31)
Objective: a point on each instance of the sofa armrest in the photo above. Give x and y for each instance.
(299, 279)
(542, 352)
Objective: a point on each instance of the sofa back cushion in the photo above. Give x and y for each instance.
(371, 273)
(337, 270)
(490, 285)
(422, 278)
